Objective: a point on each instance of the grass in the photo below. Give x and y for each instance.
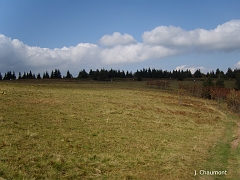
(109, 130)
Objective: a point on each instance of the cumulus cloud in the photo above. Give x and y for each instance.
(163, 41)
(237, 65)
(224, 38)
(14, 54)
(191, 68)
(117, 39)
(18, 56)
(134, 53)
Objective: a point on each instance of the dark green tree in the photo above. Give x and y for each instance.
(220, 79)
(237, 82)
(9, 76)
(197, 74)
(139, 75)
(19, 75)
(206, 87)
(46, 75)
(90, 74)
(30, 75)
(0, 76)
(95, 74)
(236, 71)
(57, 74)
(180, 77)
(208, 82)
(220, 82)
(52, 75)
(24, 76)
(13, 76)
(102, 75)
(129, 74)
(218, 72)
(82, 74)
(230, 73)
(68, 75)
(39, 76)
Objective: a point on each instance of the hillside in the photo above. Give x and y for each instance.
(111, 130)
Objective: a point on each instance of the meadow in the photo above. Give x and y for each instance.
(112, 130)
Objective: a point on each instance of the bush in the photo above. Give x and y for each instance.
(162, 84)
(206, 87)
(233, 101)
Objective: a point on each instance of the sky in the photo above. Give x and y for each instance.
(128, 35)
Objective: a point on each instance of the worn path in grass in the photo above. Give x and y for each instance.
(236, 142)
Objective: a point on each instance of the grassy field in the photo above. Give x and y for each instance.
(112, 130)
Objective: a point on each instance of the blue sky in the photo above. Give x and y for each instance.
(120, 34)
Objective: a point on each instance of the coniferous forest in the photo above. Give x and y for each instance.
(104, 74)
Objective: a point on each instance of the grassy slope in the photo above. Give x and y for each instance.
(109, 131)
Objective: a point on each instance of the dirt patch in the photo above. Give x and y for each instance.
(237, 140)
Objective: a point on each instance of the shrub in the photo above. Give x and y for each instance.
(206, 87)
(162, 84)
(219, 93)
(233, 101)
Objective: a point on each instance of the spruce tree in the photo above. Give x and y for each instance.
(237, 82)
(39, 76)
(13, 76)
(206, 87)
(197, 74)
(47, 75)
(220, 82)
(83, 74)
(230, 73)
(52, 75)
(24, 75)
(30, 75)
(68, 75)
(19, 75)
(95, 74)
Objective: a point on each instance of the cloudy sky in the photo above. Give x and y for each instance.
(120, 34)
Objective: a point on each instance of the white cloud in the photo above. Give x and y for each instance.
(224, 38)
(15, 55)
(237, 65)
(117, 39)
(18, 56)
(134, 53)
(191, 68)
(120, 49)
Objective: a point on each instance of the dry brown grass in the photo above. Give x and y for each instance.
(116, 130)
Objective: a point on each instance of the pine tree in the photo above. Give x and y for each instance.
(69, 75)
(19, 75)
(230, 73)
(237, 82)
(220, 82)
(39, 76)
(197, 74)
(207, 85)
(102, 75)
(83, 74)
(52, 75)
(95, 74)
(59, 76)
(30, 75)
(13, 76)
(0, 76)
(47, 75)
(24, 75)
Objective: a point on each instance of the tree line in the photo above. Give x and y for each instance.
(104, 74)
